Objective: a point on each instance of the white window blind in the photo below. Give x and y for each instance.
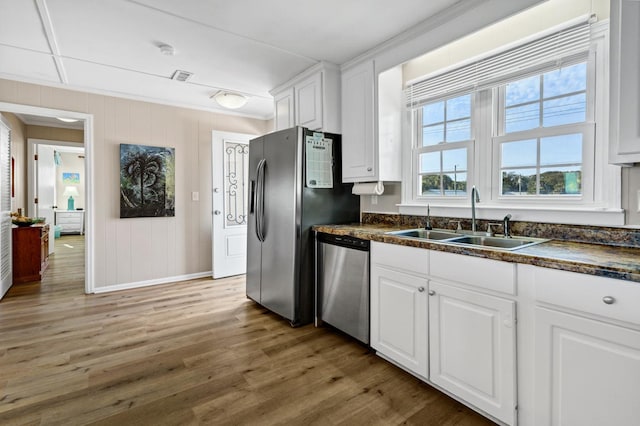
(567, 44)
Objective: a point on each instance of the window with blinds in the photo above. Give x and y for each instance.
(546, 52)
(518, 123)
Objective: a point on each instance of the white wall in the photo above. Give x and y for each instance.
(144, 249)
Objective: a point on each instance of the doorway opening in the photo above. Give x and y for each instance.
(49, 118)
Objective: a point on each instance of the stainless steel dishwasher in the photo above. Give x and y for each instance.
(342, 286)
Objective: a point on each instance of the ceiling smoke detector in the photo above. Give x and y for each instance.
(230, 100)
(181, 75)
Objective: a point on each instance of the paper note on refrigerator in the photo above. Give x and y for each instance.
(319, 161)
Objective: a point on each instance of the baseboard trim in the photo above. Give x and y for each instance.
(148, 283)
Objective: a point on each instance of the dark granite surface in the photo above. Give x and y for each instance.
(596, 259)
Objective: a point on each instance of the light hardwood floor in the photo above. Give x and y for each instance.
(189, 353)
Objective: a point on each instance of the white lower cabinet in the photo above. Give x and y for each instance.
(472, 348)
(587, 350)
(586, 372)
(399, 307)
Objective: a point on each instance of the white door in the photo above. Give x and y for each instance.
(46, 186)
(399, 318)
(230, 153)
(472, 348)
(587, 372)
(5, 208)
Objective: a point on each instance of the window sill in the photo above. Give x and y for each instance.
(561, 215)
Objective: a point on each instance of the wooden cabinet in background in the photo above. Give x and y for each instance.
(30, 250)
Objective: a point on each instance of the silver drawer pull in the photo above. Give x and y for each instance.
(608, 300)
(420, 289)
(432, 293)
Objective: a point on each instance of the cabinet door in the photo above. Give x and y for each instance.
(625, 82)
(358, 124)
(308, 103)
(586, 372)
(399, 318)
(472, 348)
(283, 104)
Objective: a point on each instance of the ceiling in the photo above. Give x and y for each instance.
(245, 46)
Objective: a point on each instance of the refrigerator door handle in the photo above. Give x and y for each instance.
(260, 199)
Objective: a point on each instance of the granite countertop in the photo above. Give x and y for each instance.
(607, 261)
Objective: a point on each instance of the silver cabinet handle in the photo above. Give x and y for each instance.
(216, 190)
(432, 293)
(608, 300)
(369, 169)
(217, 212)
(420, 289)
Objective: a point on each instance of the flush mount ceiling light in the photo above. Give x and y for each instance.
(67, 120)
(230, 100)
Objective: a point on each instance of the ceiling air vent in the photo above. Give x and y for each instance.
(181, 75)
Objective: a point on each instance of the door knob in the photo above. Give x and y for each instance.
(432, 293)
(216, 190)
(608, 300)
(420, 289)
(217, 212)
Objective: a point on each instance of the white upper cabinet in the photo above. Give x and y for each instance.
(624, 130)
(371, 123)
(310, 100)
(284, 111)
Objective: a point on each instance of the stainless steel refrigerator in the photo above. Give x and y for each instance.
(295, 183)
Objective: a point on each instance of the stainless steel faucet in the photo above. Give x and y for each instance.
(506, 228)
(475, 198)
(427, 224)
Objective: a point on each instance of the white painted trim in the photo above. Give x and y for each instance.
(89, 255)
(148, 283)
(140, 98)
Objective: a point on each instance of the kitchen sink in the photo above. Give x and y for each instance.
(512, 243)
(451, 237)
(427, 234)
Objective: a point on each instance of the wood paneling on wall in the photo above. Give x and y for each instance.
(133, 250)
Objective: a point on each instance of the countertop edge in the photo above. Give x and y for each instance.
(583, 258)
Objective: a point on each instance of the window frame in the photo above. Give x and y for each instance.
(600, 202)
(418, 149)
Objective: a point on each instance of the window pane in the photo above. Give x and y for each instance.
(522, 91)
(459, 107)
(522, 117)
(560, 180)
(430, 162)
(454, 159)
(430, 185)
(565, 80)
(565, 149)
(519, 182)
(519, 154)
(433, 113)
(433, 135)
(455, 184)
(570, 109)
(459, 131)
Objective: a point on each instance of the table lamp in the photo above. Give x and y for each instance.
(70, 191)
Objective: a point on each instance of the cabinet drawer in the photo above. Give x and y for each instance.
(407, 259)
(483, 273)
(588, 293)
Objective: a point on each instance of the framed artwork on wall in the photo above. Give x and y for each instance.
(70, 178)
(147, 181)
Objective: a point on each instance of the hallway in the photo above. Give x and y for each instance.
(63, 277)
